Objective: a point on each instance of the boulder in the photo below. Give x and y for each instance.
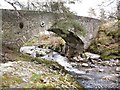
(117, 69)
(85, 65)
(30, 50)
(92, 56)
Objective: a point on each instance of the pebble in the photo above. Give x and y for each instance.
(84, 77)
(46, 80)
(85, 65)
(111, 78)
(118, 69)
(88, 70)
(92, 56)
(24, 80)
(101, 70)
(93, 66)
(74, 64)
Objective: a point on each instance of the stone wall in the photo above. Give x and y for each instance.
(91, 26)
(17, 30)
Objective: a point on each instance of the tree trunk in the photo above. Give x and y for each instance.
(118, 8)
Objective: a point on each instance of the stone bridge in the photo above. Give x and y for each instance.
(17, 30)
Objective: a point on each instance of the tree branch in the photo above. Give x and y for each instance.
(12, 4)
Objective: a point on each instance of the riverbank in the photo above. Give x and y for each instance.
(23, 71)
(91, 72)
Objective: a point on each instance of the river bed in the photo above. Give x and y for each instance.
(100, 74)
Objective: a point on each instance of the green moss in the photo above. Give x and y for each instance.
(10, 80)
(114, 34)
(23, 57)
(53, 81)
(105, 57)
(67, 24)
(57, 76)
(50, 64)
(107, 42)
(33, 41)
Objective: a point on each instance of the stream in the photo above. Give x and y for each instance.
(101, 74)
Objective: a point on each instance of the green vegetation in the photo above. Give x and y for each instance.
(32, 42)
(53, 81)
(70, 25)
(107, 42)
(48, 63)
(55, 77)
(8, 80)
(68, 21)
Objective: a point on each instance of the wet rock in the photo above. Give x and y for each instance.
(117, 69)
(110, 78)
(40, 53)
(93, 66)
(92, 56)
(105, 63)
(101, 70)
(46, 80)
(55, 67)
(82, 59)
(84, 77)
(78, 71)
(27, 49)
(111, 63)
(73, 64)
(76, 59)
(88, 70)
(30, 50)
(91, 61)
(85, 65)
(115, 62)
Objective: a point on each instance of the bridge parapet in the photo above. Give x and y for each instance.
(16, 30)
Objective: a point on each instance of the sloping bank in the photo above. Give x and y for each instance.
(107, 42)
(28, 72)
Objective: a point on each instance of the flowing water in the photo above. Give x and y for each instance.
(90, 77)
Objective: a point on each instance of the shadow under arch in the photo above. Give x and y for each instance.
(74, 45)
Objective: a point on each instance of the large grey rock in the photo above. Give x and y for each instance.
(117, 69)
(29, 50)
(85, 65)
(92, 56)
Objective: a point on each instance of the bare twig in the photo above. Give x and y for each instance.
(12, 4)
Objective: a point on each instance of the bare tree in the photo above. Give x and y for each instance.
(118, 8)
(13, 5)
(92, 12)
(102, 14)
(118, 15)
(108, 13)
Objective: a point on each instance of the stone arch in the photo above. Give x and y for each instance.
(74, 45)
(31, 27)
